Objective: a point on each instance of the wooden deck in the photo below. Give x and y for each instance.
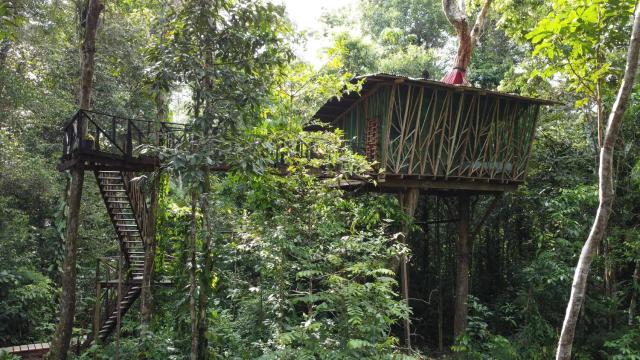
(27, 352)
(94, 160)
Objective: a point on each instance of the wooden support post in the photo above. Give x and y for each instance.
(463, 251)
(98, 304)
(118, 307)
(408, 201)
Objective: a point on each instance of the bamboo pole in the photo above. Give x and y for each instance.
(387, 127)
(418, 129)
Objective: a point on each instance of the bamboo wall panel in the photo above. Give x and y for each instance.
(445, 134)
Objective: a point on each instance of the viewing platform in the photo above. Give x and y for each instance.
(99, 141)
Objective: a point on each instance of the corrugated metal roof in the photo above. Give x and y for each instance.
(334, 107)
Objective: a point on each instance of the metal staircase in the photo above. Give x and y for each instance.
(128, 212)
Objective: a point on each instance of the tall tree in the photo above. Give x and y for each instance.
(606, 195)
(62, 335)
(456, 13)
(463, 257)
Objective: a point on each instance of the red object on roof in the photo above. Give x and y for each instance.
(456, 76)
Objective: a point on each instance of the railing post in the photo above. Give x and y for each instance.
(97, 139)
(128, 150)
(113, 130)
(65, 142)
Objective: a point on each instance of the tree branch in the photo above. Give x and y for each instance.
(477, 27)
(606, 196)
(455, 14)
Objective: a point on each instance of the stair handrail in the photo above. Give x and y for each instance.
(138, 204)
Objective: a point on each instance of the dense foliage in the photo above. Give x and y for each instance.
(285, 264)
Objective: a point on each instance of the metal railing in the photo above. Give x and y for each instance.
(89, 131)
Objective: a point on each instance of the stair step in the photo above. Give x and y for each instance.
(117, 202)
(109, 177)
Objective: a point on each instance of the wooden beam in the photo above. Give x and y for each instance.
(447, 185)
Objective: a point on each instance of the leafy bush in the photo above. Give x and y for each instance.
(625, 347)
(26, 309)
(478, 342)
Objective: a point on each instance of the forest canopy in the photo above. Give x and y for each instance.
(252, 246)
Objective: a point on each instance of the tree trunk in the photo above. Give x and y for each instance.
(462, 269)
(606, 195)
(192, 280)
(635, 283)
(609, 279)
(62, 335)
(467, 38)
(408, 202)
(89, 52)
(205, 274)
(465, 48)
(146, 295)
(5, 45)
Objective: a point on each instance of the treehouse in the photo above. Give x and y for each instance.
(431, 135)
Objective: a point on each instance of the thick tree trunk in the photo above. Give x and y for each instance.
(465, 48)
(606, 195)
(62, 335)
(467, 37)
(88, 53)
(408, 202)
(463, 251)
(192, 280)
(205, 275)
(146, 295)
